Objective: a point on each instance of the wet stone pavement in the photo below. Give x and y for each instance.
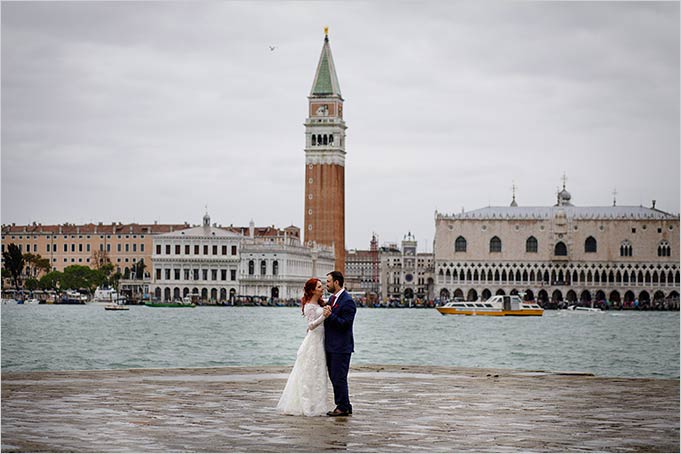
(396, 409)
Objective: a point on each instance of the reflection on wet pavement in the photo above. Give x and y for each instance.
(396, 409)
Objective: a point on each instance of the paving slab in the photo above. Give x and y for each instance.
(396, 409)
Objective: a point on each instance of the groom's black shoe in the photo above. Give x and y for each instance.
(338, 412)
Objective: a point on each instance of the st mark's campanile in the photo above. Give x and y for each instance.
(325, 160)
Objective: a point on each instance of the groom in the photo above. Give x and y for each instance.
(338, 341)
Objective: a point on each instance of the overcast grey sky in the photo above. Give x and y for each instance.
(136, 112)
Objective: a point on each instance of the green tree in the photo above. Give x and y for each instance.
(82, 277)
(14, 263)
(107, 269)
(97, 279)
(51, 280)
(37, 264)
(31, 284)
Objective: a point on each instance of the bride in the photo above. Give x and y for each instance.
(306, 388)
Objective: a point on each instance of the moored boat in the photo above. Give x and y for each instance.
(184, 302)
(585, 308)
(104, 296)
(499, 305)
(73, 297)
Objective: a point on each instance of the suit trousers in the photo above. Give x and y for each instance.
(338, 365)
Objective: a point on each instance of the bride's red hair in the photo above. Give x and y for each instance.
(308, 291)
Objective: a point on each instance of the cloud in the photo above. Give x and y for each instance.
(149, 111)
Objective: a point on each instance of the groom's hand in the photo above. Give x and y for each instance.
(327, 311)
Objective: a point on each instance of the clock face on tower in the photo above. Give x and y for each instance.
(322, 111)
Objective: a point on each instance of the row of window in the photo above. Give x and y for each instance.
(561, 278)
(557, 295)
(56, 237)
(322, 139)
(177, 293)
(87, 260)
(263, 267)
(194, 274)
(198, 250)
(80, 247)
(560, 249)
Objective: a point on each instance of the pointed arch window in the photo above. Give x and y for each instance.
(331, 139)
(590, 245)
(314, 140)
(531, 245)
(263, 267)
(275, 267)
(560, 249)
(251, 267)
(495, 244)
(626, 249)
(664, 249)
(460, 244)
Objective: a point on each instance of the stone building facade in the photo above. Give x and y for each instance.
(71, 244)
(405, 273)
(218, 265)
(276, 265)
(362, 269)
(202, 262)
(325, 160)
(558, 253)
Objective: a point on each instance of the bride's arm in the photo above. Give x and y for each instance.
(312, 320)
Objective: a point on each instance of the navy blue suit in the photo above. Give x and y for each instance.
(339, 345)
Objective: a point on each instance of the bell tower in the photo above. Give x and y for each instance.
(325, 160)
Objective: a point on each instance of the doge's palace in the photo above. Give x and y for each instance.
(558, 253)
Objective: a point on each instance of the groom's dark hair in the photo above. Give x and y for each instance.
(337, 276)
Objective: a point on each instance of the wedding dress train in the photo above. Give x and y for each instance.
(306, 389)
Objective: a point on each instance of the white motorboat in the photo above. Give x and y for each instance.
(584, 309)
(117, 305)
(104, 296)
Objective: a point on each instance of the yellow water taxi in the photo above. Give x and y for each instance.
(500, 305)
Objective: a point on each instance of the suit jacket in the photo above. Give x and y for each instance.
(338, 326)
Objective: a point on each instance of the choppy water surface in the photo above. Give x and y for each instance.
(49, 337)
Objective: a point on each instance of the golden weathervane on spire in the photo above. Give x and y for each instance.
(326, 31)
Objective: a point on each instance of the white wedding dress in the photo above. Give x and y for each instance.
(306, 389)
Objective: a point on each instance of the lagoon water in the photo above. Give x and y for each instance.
(615, 344)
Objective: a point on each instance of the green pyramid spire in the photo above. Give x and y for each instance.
(325, 81)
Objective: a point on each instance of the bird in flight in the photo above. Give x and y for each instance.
(272, 48)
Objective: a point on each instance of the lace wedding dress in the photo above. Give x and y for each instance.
(306, 389)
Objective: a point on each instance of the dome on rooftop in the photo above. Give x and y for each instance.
(564, 198)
